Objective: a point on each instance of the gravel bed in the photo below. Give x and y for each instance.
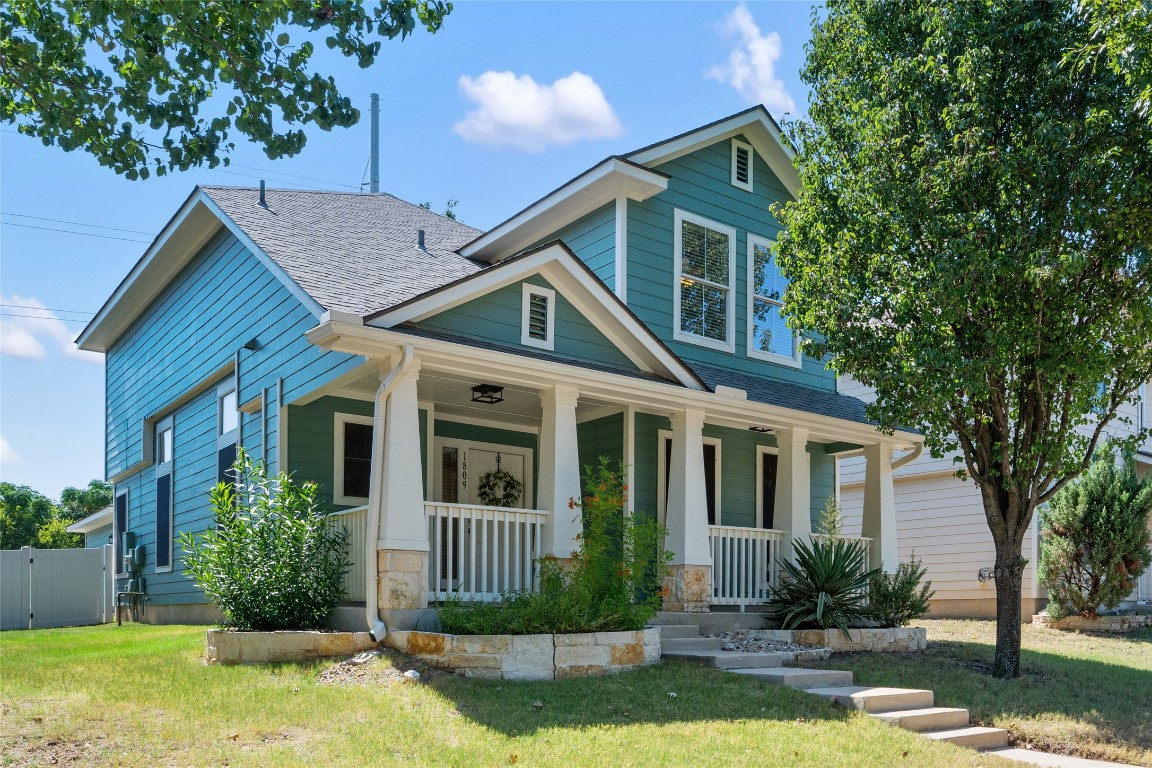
(381, 667)
(746, 643)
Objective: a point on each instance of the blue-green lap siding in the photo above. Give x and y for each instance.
(221, 300)
(496, 317)
(700, 183)
(593, 239)
(600, 438)
(98, 537)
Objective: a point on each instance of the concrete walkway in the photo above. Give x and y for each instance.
(911, 708)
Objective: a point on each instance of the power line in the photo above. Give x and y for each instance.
(47, 309)
(73, 232)
(41, 317)
(78, 223)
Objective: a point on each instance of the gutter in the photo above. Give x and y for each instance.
(909, 457)
(376, 627)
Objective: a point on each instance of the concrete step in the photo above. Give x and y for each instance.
(1032, 757)
(875, 700)
(931, 719)
(973, 737)
(797, 677)
(715, 622)
(678, 631)
(691, 644)
(729, 659)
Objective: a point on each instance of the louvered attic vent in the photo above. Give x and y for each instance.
(741, 165)
(538, 317)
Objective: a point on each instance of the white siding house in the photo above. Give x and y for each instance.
(940, 518)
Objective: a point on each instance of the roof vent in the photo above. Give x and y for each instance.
(263, 202)
(420, 240)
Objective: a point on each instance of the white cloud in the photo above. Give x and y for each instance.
(7, 455)
(520, 113)
(751, 67)
(29, 330)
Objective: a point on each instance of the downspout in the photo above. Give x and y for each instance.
(909, 457)
(376, 627)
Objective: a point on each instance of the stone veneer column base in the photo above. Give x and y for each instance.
(688, 588)
(403, 575)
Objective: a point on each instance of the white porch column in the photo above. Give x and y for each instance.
(689, 583)
(793, 485)
(402, 549)
(879, 520)
(559, 470)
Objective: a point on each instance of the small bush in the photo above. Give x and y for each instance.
(825, 587)
(894, 599)
(831, 519)
(612, 582)
(1094, 537)
(273, 561)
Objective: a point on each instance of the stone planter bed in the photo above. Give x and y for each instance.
(1122, 623)
(897, 639)
(531, 657)
(227, 646)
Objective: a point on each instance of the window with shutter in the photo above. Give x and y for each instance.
(741, 165)
(538, 317)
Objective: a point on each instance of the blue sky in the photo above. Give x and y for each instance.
(505, 103)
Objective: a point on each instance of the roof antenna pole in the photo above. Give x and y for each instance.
(374, 184)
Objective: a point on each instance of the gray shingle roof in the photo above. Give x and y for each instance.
(785, 395)
(351, 252)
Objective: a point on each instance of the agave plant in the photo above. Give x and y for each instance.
(826, 586)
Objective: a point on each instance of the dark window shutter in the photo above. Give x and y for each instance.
(121, 526)
(225, 458)
(357, 459)
(164, 521)
(768, 488)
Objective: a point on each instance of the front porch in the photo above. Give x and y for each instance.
(734, 485)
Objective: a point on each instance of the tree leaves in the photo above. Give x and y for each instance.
(172, 80)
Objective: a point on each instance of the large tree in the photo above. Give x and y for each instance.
(23, 512)
(77, 503)
(972, 241)
(158, 84)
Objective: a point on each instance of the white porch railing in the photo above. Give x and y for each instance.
(1144, 586)
(864, 540)
(745, 564)
(356, 521)
(479, 552)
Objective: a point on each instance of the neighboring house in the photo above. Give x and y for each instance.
(395, 356)
(97, 528)
(941, 519)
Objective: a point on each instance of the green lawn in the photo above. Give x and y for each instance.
(142, 696)
(1086, 695)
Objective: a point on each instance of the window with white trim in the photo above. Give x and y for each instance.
(227, 429)
(711, 475)
(742, 155)
(769, 337)
(352, 470)
(538, 317)
(704, 295)
(119, 526)
(165, 459)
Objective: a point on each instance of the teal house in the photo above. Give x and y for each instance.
(399, 359)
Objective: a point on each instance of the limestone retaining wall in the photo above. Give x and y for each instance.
(1124, 623)
(531, 657)
(896, 639)
(227, 646)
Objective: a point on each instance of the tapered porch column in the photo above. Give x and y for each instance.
(559, 470)
(879, 521)
(793, 485)
(689, 582)
(402, 549)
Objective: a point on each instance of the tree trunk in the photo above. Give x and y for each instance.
(1009, 585)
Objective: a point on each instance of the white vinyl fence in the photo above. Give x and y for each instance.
(42, 588)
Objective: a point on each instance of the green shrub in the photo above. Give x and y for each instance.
(273, 560)
(1094, 537)
(612, 582)
(894, 599)
(825, 587)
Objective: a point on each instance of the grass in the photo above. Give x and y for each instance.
(142, 696)
(1079, 694)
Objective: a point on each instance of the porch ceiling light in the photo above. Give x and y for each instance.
(757, 428)
(487, 393)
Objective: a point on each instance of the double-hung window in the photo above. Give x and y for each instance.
(769, 337)
(227, 428)
(353, 452)
(704, 296)
(165, 459)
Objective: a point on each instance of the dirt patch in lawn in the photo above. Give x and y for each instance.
(31, 751)
(381, 667)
